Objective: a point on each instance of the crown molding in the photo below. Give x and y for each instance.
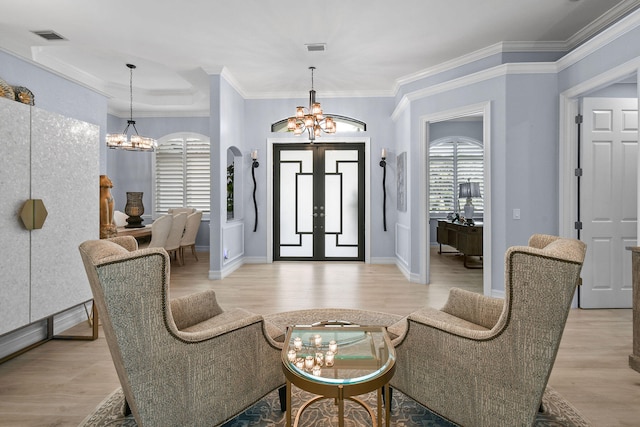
(626, 24)
(480, 76)
(610, 17)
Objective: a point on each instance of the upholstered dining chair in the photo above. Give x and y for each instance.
(172, 244)
(190, 232)
(181, 362)
(483, 361)
(176, 211)
(160, 231)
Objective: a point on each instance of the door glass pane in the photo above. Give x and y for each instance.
(341, 203)
(296, 203)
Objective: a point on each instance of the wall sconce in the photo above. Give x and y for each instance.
(383, 164)
(254, 165)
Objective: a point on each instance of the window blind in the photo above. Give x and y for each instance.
(182, 175)
(451, 163)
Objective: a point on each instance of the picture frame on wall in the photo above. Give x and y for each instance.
(401, 163)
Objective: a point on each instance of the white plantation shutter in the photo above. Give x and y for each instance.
(451, 162)
(182, 174)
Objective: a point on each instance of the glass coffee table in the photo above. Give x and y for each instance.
(339, 361)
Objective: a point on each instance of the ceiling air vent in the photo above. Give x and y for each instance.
(49, 35)
(316, 47)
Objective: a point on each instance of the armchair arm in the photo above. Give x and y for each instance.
(473, 307)
(127, 242)
(227, 322)
(195, 308)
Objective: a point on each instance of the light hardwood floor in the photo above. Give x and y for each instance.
(60, 382)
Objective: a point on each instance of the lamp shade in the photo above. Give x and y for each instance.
(469, 189)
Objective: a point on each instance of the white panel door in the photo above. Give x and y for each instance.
(609, 200)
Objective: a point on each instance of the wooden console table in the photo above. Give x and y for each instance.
(466, 239)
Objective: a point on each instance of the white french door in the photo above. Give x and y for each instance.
(608, 200)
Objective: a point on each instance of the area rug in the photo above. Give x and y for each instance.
(405, 412)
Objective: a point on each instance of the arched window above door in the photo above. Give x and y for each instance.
(343, 124)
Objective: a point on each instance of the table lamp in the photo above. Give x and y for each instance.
(468, 190)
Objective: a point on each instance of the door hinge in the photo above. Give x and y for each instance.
(578, 172)
(578, 225)
(579, 119)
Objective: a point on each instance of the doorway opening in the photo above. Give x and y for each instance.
(479, 112)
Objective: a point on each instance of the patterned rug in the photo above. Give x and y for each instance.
(405, 412)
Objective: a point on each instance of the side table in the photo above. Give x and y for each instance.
(337, 361)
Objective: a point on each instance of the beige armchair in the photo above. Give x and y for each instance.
(483, 361)
(182, 362)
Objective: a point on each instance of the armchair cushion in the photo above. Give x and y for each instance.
(474, 308)
(196, 308)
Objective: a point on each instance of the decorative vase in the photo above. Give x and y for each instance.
(134, 209)
(107, 226)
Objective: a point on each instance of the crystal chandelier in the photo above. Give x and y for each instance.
(136, 142)
(311, 119)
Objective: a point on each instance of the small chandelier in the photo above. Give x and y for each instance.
(311, 119)
(121, 140)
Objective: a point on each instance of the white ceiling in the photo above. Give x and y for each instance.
(371, 45)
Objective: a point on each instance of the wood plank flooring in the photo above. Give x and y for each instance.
(61, 382)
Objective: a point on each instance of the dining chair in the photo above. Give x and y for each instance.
(190, 232)
(172, 244)
(160, 231)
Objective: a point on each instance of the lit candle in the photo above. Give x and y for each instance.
(317, 340)
(333, 346)
(384, 153)
(297, 343)
(317, 371)
(329, 358)
(308, 362)
(300, 363)
(319, 359)
(291, 355)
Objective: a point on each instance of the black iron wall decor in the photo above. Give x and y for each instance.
(383, 164)
(254, 165)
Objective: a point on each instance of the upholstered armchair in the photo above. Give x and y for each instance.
(181, 362)
(482, 361)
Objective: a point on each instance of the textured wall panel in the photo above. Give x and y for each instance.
(14, 190)
(65, 175)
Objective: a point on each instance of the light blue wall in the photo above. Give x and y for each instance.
(57, 94)
(524, 143)
(133, 170)
(375, 112)
(232, 134)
